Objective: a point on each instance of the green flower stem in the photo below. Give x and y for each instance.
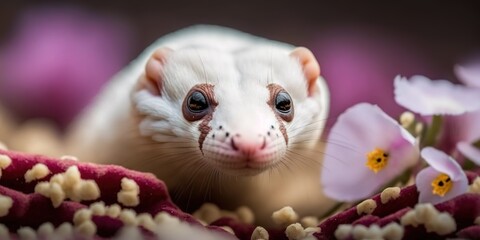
(433, 130)
(468, 165)
(477, 144)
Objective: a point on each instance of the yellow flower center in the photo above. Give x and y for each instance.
(377, 160)
(441, 184)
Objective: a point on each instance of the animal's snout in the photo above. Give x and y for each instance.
(248, 146)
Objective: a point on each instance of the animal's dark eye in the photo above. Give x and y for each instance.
(283, 102)
(197, 102)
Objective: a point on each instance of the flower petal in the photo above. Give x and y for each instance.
(359, 130)
(424, 185)
(423, 181)
(470, 75)
(442, 162)
(427, 97)
(465, 127)
(469, 151)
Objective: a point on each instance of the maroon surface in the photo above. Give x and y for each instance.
(32, 209)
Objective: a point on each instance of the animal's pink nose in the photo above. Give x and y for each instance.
(247, 146)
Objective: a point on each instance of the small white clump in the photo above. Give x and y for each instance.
(38, 171)
(409, 218)
(363, 232)
(27, 233)
(45, 230)
(475, 186)
(208, 213)
(285, 216)
(343, 231)
(146, 220)
(389, 194)
(87, 190)
(245, 215)
(431, 218)
(83, 222)
(259, 233)
(309, 221)
(295, 231)
(64, 230)
(407, 119)
(163, 217)
(128, 196)
(4, 232)
(371, 232)
(87, 228)
(6, 203)
(72, 177)
(113, 210)
(98, 208)
(5, 161)
(128, 217)
(81, 216)
(312, 230)
(392, 231)
(56, 194)
(366, 207)
(68, 185)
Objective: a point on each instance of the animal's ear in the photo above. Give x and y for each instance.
(152, 79)
(310, 67)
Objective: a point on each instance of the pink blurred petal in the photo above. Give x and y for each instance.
(470, 75)
(426, 97)
(57, 59)
(442, 163)
(466, 127)
(359, 130)
(460, 128)
(469, 151)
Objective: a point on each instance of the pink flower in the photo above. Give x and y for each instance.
(443, 180)
(463, 133)
(469, 75)
(365, 149)
(57, 59)
(426, 97)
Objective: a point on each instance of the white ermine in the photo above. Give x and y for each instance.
(220, 116)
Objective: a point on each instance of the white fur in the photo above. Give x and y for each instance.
(240, 66)
(118, 91)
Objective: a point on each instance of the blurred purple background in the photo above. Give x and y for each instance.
(54, 57)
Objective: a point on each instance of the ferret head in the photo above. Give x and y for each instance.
(240, 113)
